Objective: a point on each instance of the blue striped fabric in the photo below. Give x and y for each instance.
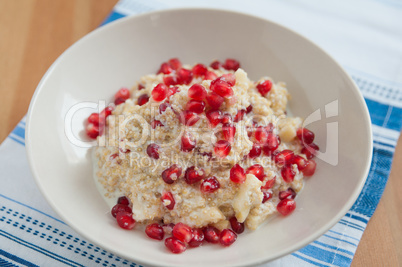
(32, 235)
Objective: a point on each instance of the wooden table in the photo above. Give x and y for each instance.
(33, 33)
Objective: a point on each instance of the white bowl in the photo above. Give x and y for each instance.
(119, 53)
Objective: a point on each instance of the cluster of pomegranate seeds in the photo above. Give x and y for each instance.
(193, 175)
(168, 200)
(155, 231)
(286, 206)
(123, 213)
(237, 226)
(257, 170)
(222, 148)
(121, 96)
(142, 99)
(264, 87)
(188, 142)
(96, 122)
(210, 185)
(171, 174)
(153, 151)
(237, 174)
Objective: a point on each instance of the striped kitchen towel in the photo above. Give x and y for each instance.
(364, 36)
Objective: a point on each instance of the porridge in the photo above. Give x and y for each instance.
(200, 153)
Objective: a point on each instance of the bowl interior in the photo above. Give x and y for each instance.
(120, 53)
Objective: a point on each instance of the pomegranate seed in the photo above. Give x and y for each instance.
(214, 100)
(230, 78)
(249, 109)
(163, 107)
(271, 144)
(188, 118)
(94, 119)
(264, 87)
(175, 245)
(184, 76)
(168, 200)
(170, 80)
(214, 117)
(188, 142)
(210, 185)
(193, 176)
(155, 231)
(299, 161)
(285, 157)
(227, 237)
(142, 99)
(226, 118)
(182, 232)
(92, 130)
(171, 174)
(288, 193)
(156, 123)
(286, 206)
(239, 116)
(255, 151)
(287, 173)
(197, 92)
(237, 227)
(120, 208)
(269, 184)
(266, 196)
(153, 151)
(124, 150)
(159, 92)
(123, 201)
(222, 148)
(165, 68)
(175, 63)
(309, 169)
(195, 106)
(140, 86)
(211, 234)
(216, 65)
(123, 93)
(229, 131)
(221, 87)
(257, 170)
(119, 101)
(210, 75)
(199, 70)
(237, 174)
(106, 112)
(261, 135)
(172, 90)
(310, 150)
(305, 135)
(168, 228)
(125, 220)
(198, 238)
(231, 64)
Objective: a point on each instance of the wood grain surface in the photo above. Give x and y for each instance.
(33, 33)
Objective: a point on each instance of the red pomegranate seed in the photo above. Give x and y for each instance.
(211, 234)
(305, 135)
(156, 123)
(184, 76)
(287, 173)
(182, 232)
(94, 119)
(261, 135)
(310, 150)
(125, 220)
(288, 193)
(229, 131)
(172, 90)
(255, 151)
(198, 238)
(119, 101)
(271, 144)
(155, 231)
(299, 161)
(197, 92)
(239, 116)
(214, 100)
(120, 208)
(216, 65)
(286, 206)
(210, 185)
(192, 176)
(188, 142)
(123, 93)
(163, 107)
(237, 174)
(249, 109)
(106, 112)
(214, 117)
(170, 80)
(175, 245)
(140, 86)
(222, 148)
(227, 237)
(165, 68)
(221, 87)
(309, 169)
(264, 87)
(175, 63)
(159, 92)
(142, 99)
(269, 184)
(123, 201)
(168, 200)
(226, 118)
(188, 118)
(92, 130)
(168, 228)
(195, 106)
(257, 170)
(231, 64)
(236, 226)
(171, 174)
(210, 75)
(285, 157)
(230, 78)
(153, 151)
(266, 196)
(199, 70)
